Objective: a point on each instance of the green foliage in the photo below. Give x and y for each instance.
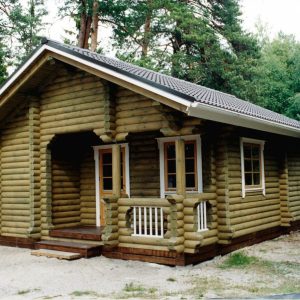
(84, 294)
(131, 287)
(192, 40)
(3, 71)
(238, 260)
(20, 24)
(293, 110)
(278, 75)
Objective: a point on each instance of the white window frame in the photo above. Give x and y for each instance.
(161, 142)
(97, 175)
(263, 183)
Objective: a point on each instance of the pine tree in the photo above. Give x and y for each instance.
(196, 40)
(19, 28)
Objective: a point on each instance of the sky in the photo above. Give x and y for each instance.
(278, 15)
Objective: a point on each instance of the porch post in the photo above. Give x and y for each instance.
(116, 170)
(180, 167)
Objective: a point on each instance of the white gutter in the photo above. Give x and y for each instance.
(205, 111)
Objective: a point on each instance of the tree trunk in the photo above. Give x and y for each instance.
(82, 30)
(87, 32)
(95, 26)
(147, 29)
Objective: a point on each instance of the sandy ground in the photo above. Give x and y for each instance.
(276, 271)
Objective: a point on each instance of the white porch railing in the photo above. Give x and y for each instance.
(202, 216)
(148, 221)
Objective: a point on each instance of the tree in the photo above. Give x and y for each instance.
(3, 72)
(87, 15)
(19, 29)
(293, 111)
(199, 41)
(278, 74)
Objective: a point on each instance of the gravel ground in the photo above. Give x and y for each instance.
(276, 270)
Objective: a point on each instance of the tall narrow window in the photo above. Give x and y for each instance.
(252, 163)
(170, 166)
(191, 165)
(105, 171)
(106, 180)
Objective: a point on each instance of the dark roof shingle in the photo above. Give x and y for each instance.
(188, 91)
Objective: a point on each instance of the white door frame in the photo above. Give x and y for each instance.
(97, 175)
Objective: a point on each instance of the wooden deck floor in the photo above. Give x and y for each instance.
(92, 233)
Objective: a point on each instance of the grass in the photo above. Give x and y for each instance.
(131, 287)
(23, 292)
(133, 290)
(238, 260)
(84, 293)
(171, 279)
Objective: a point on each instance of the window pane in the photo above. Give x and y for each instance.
(107, 184)
(247, 151)
(248, 167)
(171, 166)
(248, 178)
(106, 158)
(256, 167)
(190, 180)
(255, 151)
(107, 170)
(189, 165)
(256, 179)
(189, 150)
(170, 151)
(172, 181)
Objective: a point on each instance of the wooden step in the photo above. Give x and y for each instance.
(91, 233)
(56, 254)
(85, 250)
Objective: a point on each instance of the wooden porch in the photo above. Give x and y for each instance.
(89, 233)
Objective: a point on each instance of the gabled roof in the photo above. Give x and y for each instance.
(198, 101)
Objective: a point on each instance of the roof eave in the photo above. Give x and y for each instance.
(208, 112)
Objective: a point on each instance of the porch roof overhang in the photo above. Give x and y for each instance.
(194, 100)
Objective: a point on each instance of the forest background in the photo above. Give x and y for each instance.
(201, 41)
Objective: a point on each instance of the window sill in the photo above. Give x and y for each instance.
(250, 190)
(254, 191)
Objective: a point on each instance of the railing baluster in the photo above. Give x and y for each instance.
(150, 216)
(140, 220)
(156, 222)
(204, 215)
(161, 222)
(202, 225)
(198, 216)
(134, 220)
(145, 220)
(201, 216)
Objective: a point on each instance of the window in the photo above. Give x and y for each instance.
(168, 164)
(105, 168)
(252, 165)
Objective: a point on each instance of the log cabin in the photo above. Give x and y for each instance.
(101, 157)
